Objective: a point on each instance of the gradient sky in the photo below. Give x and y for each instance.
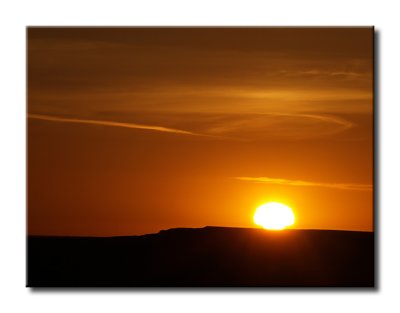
(133, 130)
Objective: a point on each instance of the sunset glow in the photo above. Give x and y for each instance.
(136, 130)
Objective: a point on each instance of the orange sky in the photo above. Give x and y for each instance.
(135, 130)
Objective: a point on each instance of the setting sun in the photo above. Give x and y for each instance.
(274, 216)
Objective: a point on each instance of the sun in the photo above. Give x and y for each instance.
(274, 216)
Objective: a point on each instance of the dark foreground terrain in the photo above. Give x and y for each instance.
(205, 257)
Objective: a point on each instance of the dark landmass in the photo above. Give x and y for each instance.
(205, 257)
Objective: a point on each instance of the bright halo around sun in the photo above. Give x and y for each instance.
(274, 216)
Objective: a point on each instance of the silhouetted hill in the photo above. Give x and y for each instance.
(206, 257)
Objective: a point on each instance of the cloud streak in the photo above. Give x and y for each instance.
(246, 128)
(280, 125)
(301, 183)
(113, 124)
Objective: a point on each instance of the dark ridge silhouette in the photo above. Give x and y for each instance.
(205, 257)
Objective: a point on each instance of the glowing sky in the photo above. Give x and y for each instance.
(133, 130)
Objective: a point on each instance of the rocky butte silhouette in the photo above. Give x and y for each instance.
(205, 257)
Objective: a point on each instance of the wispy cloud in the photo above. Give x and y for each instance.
(301, 183)
(344, 124)
(279, 125)
(112, 124)
(317, 72)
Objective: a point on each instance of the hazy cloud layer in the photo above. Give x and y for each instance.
(212, 70)
(259, 84)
